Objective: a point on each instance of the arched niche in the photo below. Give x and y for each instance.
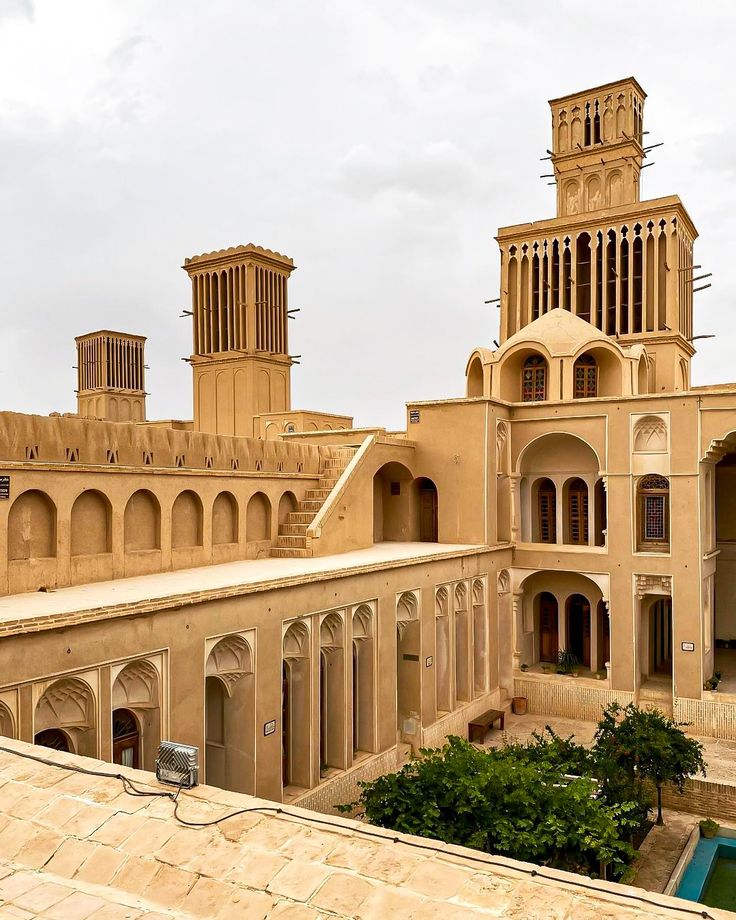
(7, 722)
(258, 518)
(475, 378)
(224, 519)
(296, 707)
(363, 681)
(395, 506)
(142, 522)
(332, 708)
(186, 521)
(91, 519)
(609, 369)
(408, 671)
(650, 435)
(288, 504)
(444, 650)
(136, 689)
(68, 706)
(230, 715)
(32, 527)
(522, 368)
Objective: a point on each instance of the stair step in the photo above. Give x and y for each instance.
(328, 484)
(310, 505)
(290, 553)
(293, 530)
(300, 517)
(284, 542)
(317, 494)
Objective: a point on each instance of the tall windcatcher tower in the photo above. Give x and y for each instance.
(240, 358)
(622, 264)
(111, 376)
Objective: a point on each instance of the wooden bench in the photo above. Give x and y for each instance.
(479, 726)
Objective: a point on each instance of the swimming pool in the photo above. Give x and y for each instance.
(710, 877)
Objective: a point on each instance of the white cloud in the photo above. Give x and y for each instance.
(379, 144)
(10, 9)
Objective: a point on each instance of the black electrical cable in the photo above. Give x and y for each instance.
(484, 859)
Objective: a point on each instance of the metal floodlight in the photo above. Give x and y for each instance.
(177, 764)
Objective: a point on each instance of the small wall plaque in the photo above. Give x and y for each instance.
(4, 488)
(688, 646)
(413, 416)
(269, 728)
(429, 662)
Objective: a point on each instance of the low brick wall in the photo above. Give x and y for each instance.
(567, 697)
(705, 798)
(343, 787)
(714, 718)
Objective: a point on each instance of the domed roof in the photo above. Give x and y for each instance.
(559, 331)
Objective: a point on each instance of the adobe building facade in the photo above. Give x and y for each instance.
(308, 602)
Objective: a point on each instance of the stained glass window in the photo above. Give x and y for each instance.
(534, 379)
(586, 378)
(654, 510)
(547, 512)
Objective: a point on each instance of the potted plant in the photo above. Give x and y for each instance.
(524, 667)
(546, 668)
(709, 828)
(567, 662)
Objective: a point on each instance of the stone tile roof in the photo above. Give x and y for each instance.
(76, 847)
(142, 594)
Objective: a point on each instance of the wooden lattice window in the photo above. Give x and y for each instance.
(585, 378)
(654, 523)
(534, 379)
(547, 506)
(577, 512)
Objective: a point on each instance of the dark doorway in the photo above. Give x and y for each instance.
(126, 739)
(53, 738)
(604, 635)
(548, 628)
(660, 637)
(578, 628)
(285, 726)
(427, 511)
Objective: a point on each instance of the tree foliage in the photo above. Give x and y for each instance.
(548, 800)
(500, 802)
(647, 745)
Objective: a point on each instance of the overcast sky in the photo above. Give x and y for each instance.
(379, 143)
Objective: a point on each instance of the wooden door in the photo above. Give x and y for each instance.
(428, 514)
(548, 630)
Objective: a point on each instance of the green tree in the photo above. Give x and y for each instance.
(647, 745)
(500, 801)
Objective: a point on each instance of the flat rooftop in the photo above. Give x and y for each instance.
(141, 594)
(76, 847)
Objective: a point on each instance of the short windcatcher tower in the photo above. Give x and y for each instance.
(240, 356)
(111, 376)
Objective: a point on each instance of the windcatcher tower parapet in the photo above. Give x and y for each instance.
(622, 264)
(240, 360)
(111, 376)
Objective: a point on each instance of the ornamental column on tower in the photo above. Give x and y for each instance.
(240, 358)
(622, 264)
(111, 376)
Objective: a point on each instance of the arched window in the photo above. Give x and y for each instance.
(585, 381)
(534, 379)
(546, 512)
(654, 513)
(577, 512)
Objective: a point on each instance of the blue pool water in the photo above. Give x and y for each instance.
(710, 877)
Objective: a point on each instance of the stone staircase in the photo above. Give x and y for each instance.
(657, 694)
(291, 542)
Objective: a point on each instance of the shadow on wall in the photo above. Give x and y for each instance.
(405, 509)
